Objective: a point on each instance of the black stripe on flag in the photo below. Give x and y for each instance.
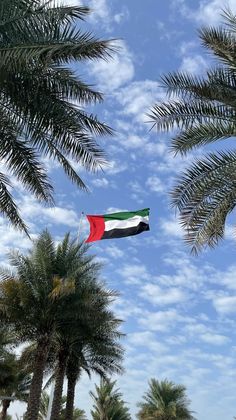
(121, 233)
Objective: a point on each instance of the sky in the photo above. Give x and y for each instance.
(179, 310)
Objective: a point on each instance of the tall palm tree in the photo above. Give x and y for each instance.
(90, 345)
(42, 99)
(203, 111)
(108, 402)
(35, 297)
(97, 352)
(165, 401)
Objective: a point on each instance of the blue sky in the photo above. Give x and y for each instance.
(179, 310)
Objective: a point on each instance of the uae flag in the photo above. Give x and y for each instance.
(117, 225)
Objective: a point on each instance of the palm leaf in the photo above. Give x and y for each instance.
(204, 195)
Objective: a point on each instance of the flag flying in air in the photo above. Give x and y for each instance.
(117, 225)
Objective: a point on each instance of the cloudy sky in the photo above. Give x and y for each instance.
(179, 310)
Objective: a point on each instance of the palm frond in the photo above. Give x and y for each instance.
(8, 206)
(221, 42)
(65, 164)
(201, 134)
(182, 115)
(218, 85)
(204, 195)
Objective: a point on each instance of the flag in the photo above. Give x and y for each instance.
(117, 225)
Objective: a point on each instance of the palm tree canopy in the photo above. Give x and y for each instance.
(108, 402)
(16, 379)
(51, 287)
(42, 99)
(202, 110)
(8, 362)
(34, 298)
(165, 401)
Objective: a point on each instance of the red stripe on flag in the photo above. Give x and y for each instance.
(97, 227)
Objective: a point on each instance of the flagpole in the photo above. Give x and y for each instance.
(80, 223)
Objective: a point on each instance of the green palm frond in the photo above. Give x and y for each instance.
(201, 111)
(221, 42)
(165, 400)
(42, 99)
(181, 115)
(108, 402)
(54, 153)
(200, 134)
(204, 195)
(7, 204)
(219, 85)
(56, 48)
(22, 162)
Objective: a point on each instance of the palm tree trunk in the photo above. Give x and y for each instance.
(60, 374)
(37, 381)
(72, 378)
(5, 406)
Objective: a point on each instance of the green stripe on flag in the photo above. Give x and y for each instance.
(126, 215)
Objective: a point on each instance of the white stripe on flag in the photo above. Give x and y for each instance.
(125, 224)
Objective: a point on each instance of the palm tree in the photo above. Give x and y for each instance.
(87, 343)
(108, 402)
(42, 99)
(7, 342)
(34, 299)
(15, 383)
(90, 345)
(165, 401)
(96, 352)
(43, 410)
(203, 111)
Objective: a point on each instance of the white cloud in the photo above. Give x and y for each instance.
(115, 167)
(158, 148)
(114, 252)
(133, 141)
(228, 277)
(147, 339)
(161, 320)
(137, 98)
(206, 334)
(225, 304)
(186, 47)
(136, 187)
(101, 13)
(163, 296)
(115, 72)
(230, 232)
(195, 64)
(207, 13)
(100, 182)
(133, 273)
(155, 184)
(35, 212)
(12, 239)
(214, 339)
(187, 274)
(121, 16)
(171, 227)
(63, 216)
